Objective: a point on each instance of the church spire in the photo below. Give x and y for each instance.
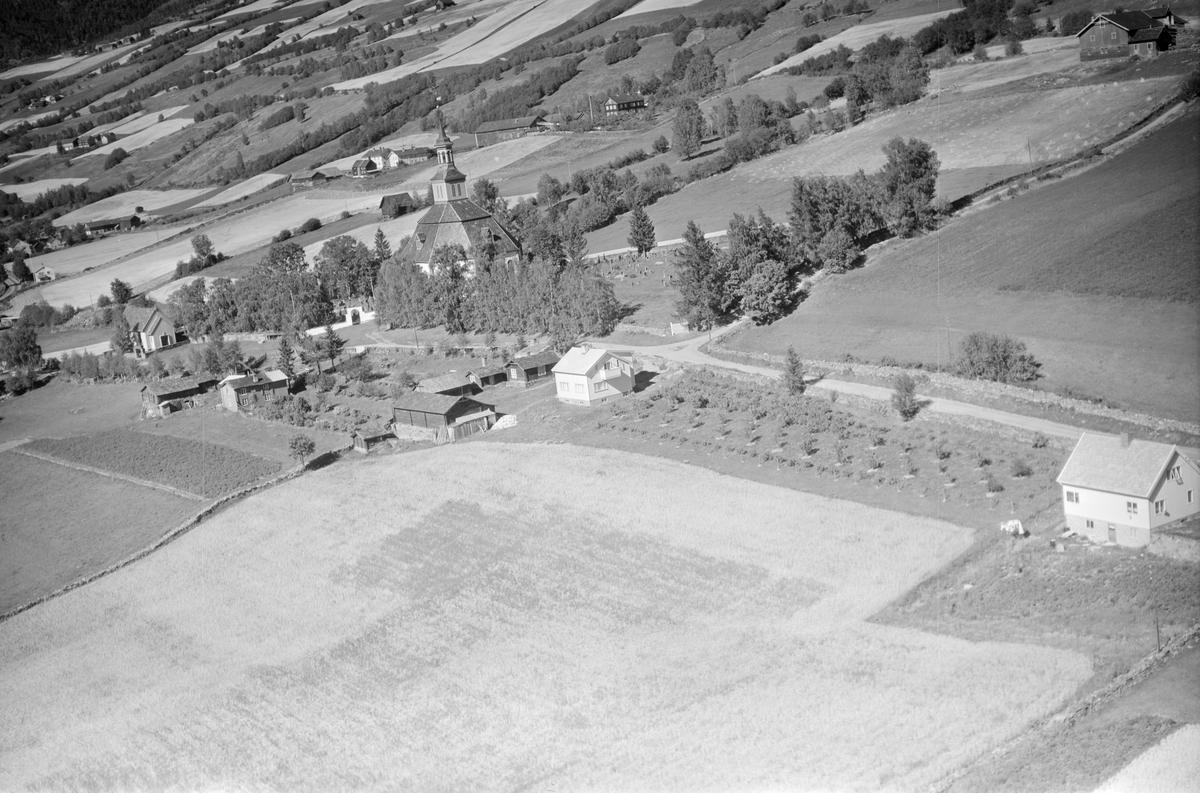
(449, 183)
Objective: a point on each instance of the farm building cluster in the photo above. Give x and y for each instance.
(1122, 34)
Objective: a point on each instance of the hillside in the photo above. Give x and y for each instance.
(1097, 274)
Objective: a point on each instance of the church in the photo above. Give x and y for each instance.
(455, 219)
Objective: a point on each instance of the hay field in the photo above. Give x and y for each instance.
(143, 137)
(508, 24)
(29, 190)
(966, 131)
(969, 76)
(524, 631)
(247, 187)
(646, 6)
(143, 120)
(97, 253)
(1172, 765)
(251, 8)
(59, 524)
(33, 119)
(859, 36)
(122, 205)
(41, 67)
(1096, 273)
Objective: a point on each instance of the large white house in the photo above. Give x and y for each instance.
(1118, 490)
(588, 375)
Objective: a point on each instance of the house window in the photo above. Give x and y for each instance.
(1091, 524)
(1158, 507)
(1114, 34)
(164, 340)
(600, 386)
(1131, 507)
(579, 388)
(1072, 497)
(564, 386)
(1177, 474)
(1189, 496)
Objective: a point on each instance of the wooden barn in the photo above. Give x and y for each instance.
(1121, 34)
(365, 439)
(452, 384)
(442, 417)
(522, 372)
(169, 396)
(490, 132)
(488, 376)
(414, 155)
(393, 206)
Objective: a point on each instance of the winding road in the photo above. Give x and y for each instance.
(689, 352)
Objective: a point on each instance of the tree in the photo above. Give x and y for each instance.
(1074, 21)
(382, 248)
(485, 193)
(285, 356)
(688, 131)
(286, 257)
(346, 268)
(122, 292)
(661, 145)
(549, 191)
(699, 280)
(331, 344)
(20, 269)
(641, 231)
(115, 158)
(793, 372)
(203, 248)
(19, 348)
(120, 341)
(987, 356)
(904, 396)
(302, 447)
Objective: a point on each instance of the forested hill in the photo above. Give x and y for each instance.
(37, 28)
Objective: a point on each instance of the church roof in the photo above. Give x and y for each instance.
(460, 222)
(448, 173)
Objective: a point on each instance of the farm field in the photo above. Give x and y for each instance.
(243, 189)
(1174, 764)
(967, 132)
(27, 191)
(500, 636)
(1126, 334)
(48, 541)
(69, 409)
(192, 466)
(122, 205)
(648, 6)
(970, 76)
(141, 138)
(859, 36)
(143, 120)
(508, 26)
(78, 258)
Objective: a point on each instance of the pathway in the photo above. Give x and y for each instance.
(690, 352)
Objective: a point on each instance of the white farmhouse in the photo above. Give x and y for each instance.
(1117, 490)
(588, 376)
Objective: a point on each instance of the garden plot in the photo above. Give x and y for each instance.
(243, 189)
(508, 26)
(122, 205)
(29, 190)
(570, 607)
(97, 253)
(142, 138)
(646, 6)
(859, 36)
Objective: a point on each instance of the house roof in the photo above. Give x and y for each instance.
(166, 388)
(622, 99)
(1163, 12)
(273, 377)
(403, 199)
(523, 122)
(301, 176)
(1146, 34)
(440, 404)
(1126, 20)
(543, 358)
(1100, 462)
(487, 371)
(141, 319)
(444, 382)
(416, 151)
(379, 151)
(582, 360)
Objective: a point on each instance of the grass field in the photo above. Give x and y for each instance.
(1100, 282)
(1173, 764)
(524, 631)
(31, 190)
(189, 465)
(57, 524)
(78, 258)
(125, 204)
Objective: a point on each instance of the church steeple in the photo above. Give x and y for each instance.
(449, 183)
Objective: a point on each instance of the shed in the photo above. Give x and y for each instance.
(1117, 489)
(490, 132)
(168, 396)
(445, 418)
(393, 206)
(453, 384)
(531, 368)
(488, 375)
(366, 438)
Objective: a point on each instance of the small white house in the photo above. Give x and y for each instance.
(1117, 490)
(588, 375)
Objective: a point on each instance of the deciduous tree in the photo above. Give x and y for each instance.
(688, 130)
(121, 291)
(302, 447)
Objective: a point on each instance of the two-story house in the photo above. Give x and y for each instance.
(588, 375)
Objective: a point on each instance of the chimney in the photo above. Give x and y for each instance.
(1124, 440)
(586, 346)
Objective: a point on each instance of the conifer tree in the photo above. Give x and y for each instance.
(383, 249)
(793, 372)
(641, 231)
(286, 365)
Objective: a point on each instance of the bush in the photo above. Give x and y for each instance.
(622, 50)
(1021, 469)
(1191, 86)
(1013, 47)
(312, 224)
(987, 356)
(1040, 441)
(286, 234)
(115, 158)
(661, 144)
(980, 53)
(904, 396)
(324, 382)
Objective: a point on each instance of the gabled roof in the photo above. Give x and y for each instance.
(301, 176)
(443, 383)
(272, 377)
(622, 99)
(543, 358)
(1100, 462)
(142, 319)
(1147, 34)
(523, 122)
(487, 371)
(439, 404)
(415, 151)
(403, 199)
(459, 222)
(379, 151)
(181, 385)
(1126, 20)
(583, 360)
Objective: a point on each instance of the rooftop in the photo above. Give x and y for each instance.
(1100, 462)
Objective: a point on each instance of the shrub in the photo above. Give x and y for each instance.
(286, 234)
(1040, 441)
(324, 382)
(993, 486)
(661, 144)
(115, 158)
(312, 224)
(1191, 86)
(1020, 469)
(986, 356)
(904, 396)
(1013, 47)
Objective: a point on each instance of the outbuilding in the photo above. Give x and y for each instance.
(393, 206)
(1117, 489)
(452, 384)
(442, 417)
(168, 396)
(490, 132)
(524, 371)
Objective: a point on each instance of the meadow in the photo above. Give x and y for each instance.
(572, 618)
(58, 525)
(192, 466)
(78, 258)
(1127, 334)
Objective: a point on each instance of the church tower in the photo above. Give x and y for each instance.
(449, 183)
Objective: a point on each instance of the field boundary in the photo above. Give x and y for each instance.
(175, 491)
(170, 536)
